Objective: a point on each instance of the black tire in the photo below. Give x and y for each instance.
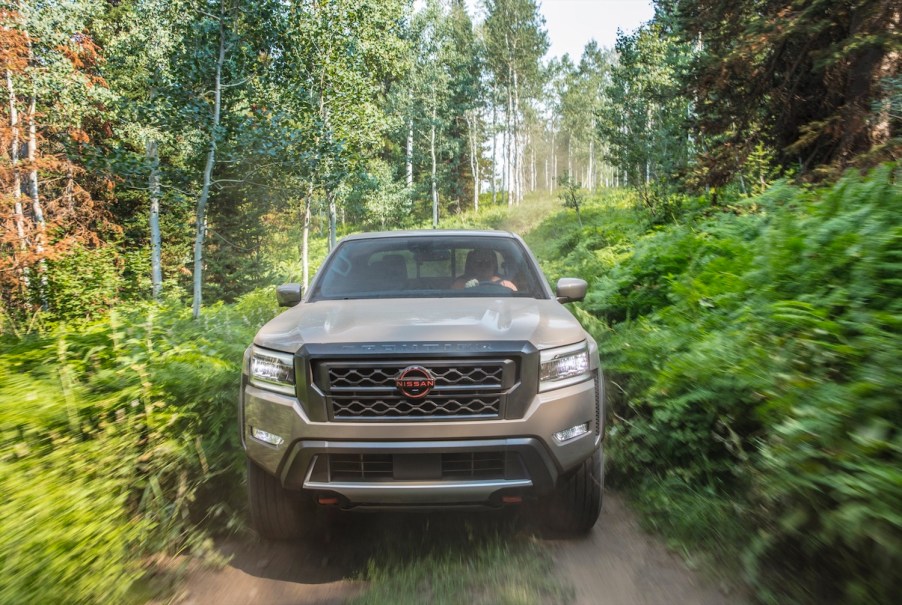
(575, 504)
(276, 513)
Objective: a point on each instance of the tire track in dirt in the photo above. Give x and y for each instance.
(616, 564)
(619, 564)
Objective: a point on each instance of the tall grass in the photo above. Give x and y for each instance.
(117, 438)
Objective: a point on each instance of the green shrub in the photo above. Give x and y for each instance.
(753, 359)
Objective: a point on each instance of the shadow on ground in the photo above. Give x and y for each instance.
(342, 544)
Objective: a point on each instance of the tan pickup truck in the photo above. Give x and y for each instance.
(424, 369)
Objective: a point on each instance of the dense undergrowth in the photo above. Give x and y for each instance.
(752, 357)
(752, 354)
(118, 441)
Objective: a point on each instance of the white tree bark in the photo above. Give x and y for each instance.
(333, 219)
(156, 268)
(494, 132)
(506, 152)
(547, 182)
(570, 155)
(590, 176)
(305, 238)
(517, 168)
(18, 213)
(409, 154)
(473, 132)
(36, 206)
(532, 185)
(201, 224)
(434, 165)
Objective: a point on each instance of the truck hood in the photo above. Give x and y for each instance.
(544, 323)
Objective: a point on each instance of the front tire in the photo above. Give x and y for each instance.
(575, 504)
(276, 513)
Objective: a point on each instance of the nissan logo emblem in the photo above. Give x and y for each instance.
(415, 382)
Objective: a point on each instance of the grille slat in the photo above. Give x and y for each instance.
(361, 466)
(379, 467)
(400, 407)
(383, 377)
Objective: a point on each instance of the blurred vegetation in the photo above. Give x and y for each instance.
(751, 346)
(752, 355)
(118, 442)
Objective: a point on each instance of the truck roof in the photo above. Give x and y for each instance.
(431, 233)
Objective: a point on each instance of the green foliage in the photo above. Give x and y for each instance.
(643, 116)
(571, 194)
(118, 437)
(752, 377)
(83, 283)
(383, 201)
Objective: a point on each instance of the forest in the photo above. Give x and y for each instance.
(725, 177)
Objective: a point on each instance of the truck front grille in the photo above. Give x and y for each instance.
(463, 389)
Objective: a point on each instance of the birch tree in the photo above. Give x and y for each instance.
(50, 71)
(335, 59)
(516, 40)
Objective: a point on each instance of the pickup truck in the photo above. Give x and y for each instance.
(424, 370)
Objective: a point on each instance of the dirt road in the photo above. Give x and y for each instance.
(617, 564)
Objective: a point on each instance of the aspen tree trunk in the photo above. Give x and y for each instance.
(494, 140)
(409, 154)
(477, 180)
(33, 175)
(333, 217)
(18, 213)
(505, 178)
(305, 237)
(156, 270)
(553, 175)
(570, 156)
(471, 119)
(532, 183)
(434, 166)
(36, 207)
(208, 177)
(331, 193)
(546, 174)
(591, 176)
(517, 173)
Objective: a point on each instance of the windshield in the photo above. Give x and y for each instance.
(428, 267)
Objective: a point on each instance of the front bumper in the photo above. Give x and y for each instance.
(423, 464)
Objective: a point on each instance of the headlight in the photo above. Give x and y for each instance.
(563, 366)
(272, 370)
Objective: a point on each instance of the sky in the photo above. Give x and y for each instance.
(572, 23)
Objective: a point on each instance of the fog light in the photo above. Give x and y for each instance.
(266, 437)
(572, 433)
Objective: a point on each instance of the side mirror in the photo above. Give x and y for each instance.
(289, 295)
(571, 289)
